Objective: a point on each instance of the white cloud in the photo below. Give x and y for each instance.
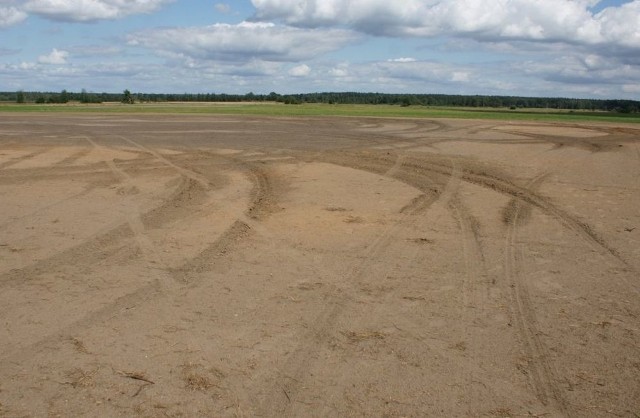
(340, 71)
(300, 71)
(243, 42)
(10, 16)
(402, 60)
(576, 69)
(56, 57)
(460, 76)
(26, 66)
(90, 10)
(427, 71)
(568, 21)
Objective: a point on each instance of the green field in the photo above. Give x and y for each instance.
(279, 109)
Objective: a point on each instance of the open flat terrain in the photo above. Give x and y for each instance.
(269, 266)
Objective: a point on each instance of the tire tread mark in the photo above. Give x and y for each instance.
(502, 185)
(260, 205)
(17, 160)
(92, 251)
(542, 374)
(204, 182)
(148, 249)
(104, 245)
(123, 303)
(335, 302)
(73, 157)
(206, 259)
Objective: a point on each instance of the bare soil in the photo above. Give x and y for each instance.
(243, 266)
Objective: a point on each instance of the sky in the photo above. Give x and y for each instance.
(559, 48)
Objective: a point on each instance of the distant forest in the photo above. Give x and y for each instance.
(512, 102)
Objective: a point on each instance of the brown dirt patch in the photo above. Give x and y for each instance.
(317, 267)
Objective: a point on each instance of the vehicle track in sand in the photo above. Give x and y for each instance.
(119, 240)
(150, 253)
(450, 198)
(261, 204)
(293, 372)
(73, 263)
(196, 185)
(443, 191)
(523, 198)
(487, 177)
(16, 160)
(71, 159)
(486, 294)
(104, 245)
(541, 372)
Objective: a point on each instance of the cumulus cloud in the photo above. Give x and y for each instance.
(584, 70)
(300, 71)
(243, 42)
(10, 16)
(426, 71)
(402, 60)
(90, 10)
(56, 57)
(341, 71)
(570, 21)
(460, 76)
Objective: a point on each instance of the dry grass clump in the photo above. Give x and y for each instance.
(79, 345)
(79, 378)
(195, 381)
(356, 337)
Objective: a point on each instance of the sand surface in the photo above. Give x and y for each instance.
(242, 266)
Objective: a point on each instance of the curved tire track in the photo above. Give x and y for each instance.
(278, 401)
(17, 160)
(482, 176)
(104, 246)
(541, 371)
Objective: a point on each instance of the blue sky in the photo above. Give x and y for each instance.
(569, 48)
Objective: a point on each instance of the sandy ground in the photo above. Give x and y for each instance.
(235, 266)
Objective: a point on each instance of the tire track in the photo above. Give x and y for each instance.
(262, 193)
(148, 292)
(396, 166)
(97, 250)
(149, 251)
(17, 160)
(260, 206)
(473, 255)
(89, 172)
(541, 372)
(84, 192)
(94, 250)
(279, 401)
(187, 195)
(207, 258)
(107, 244)
(73, 157)
(474, 301)
(482, 176)
(202, 180)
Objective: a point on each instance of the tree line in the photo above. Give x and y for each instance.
(447, 100)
